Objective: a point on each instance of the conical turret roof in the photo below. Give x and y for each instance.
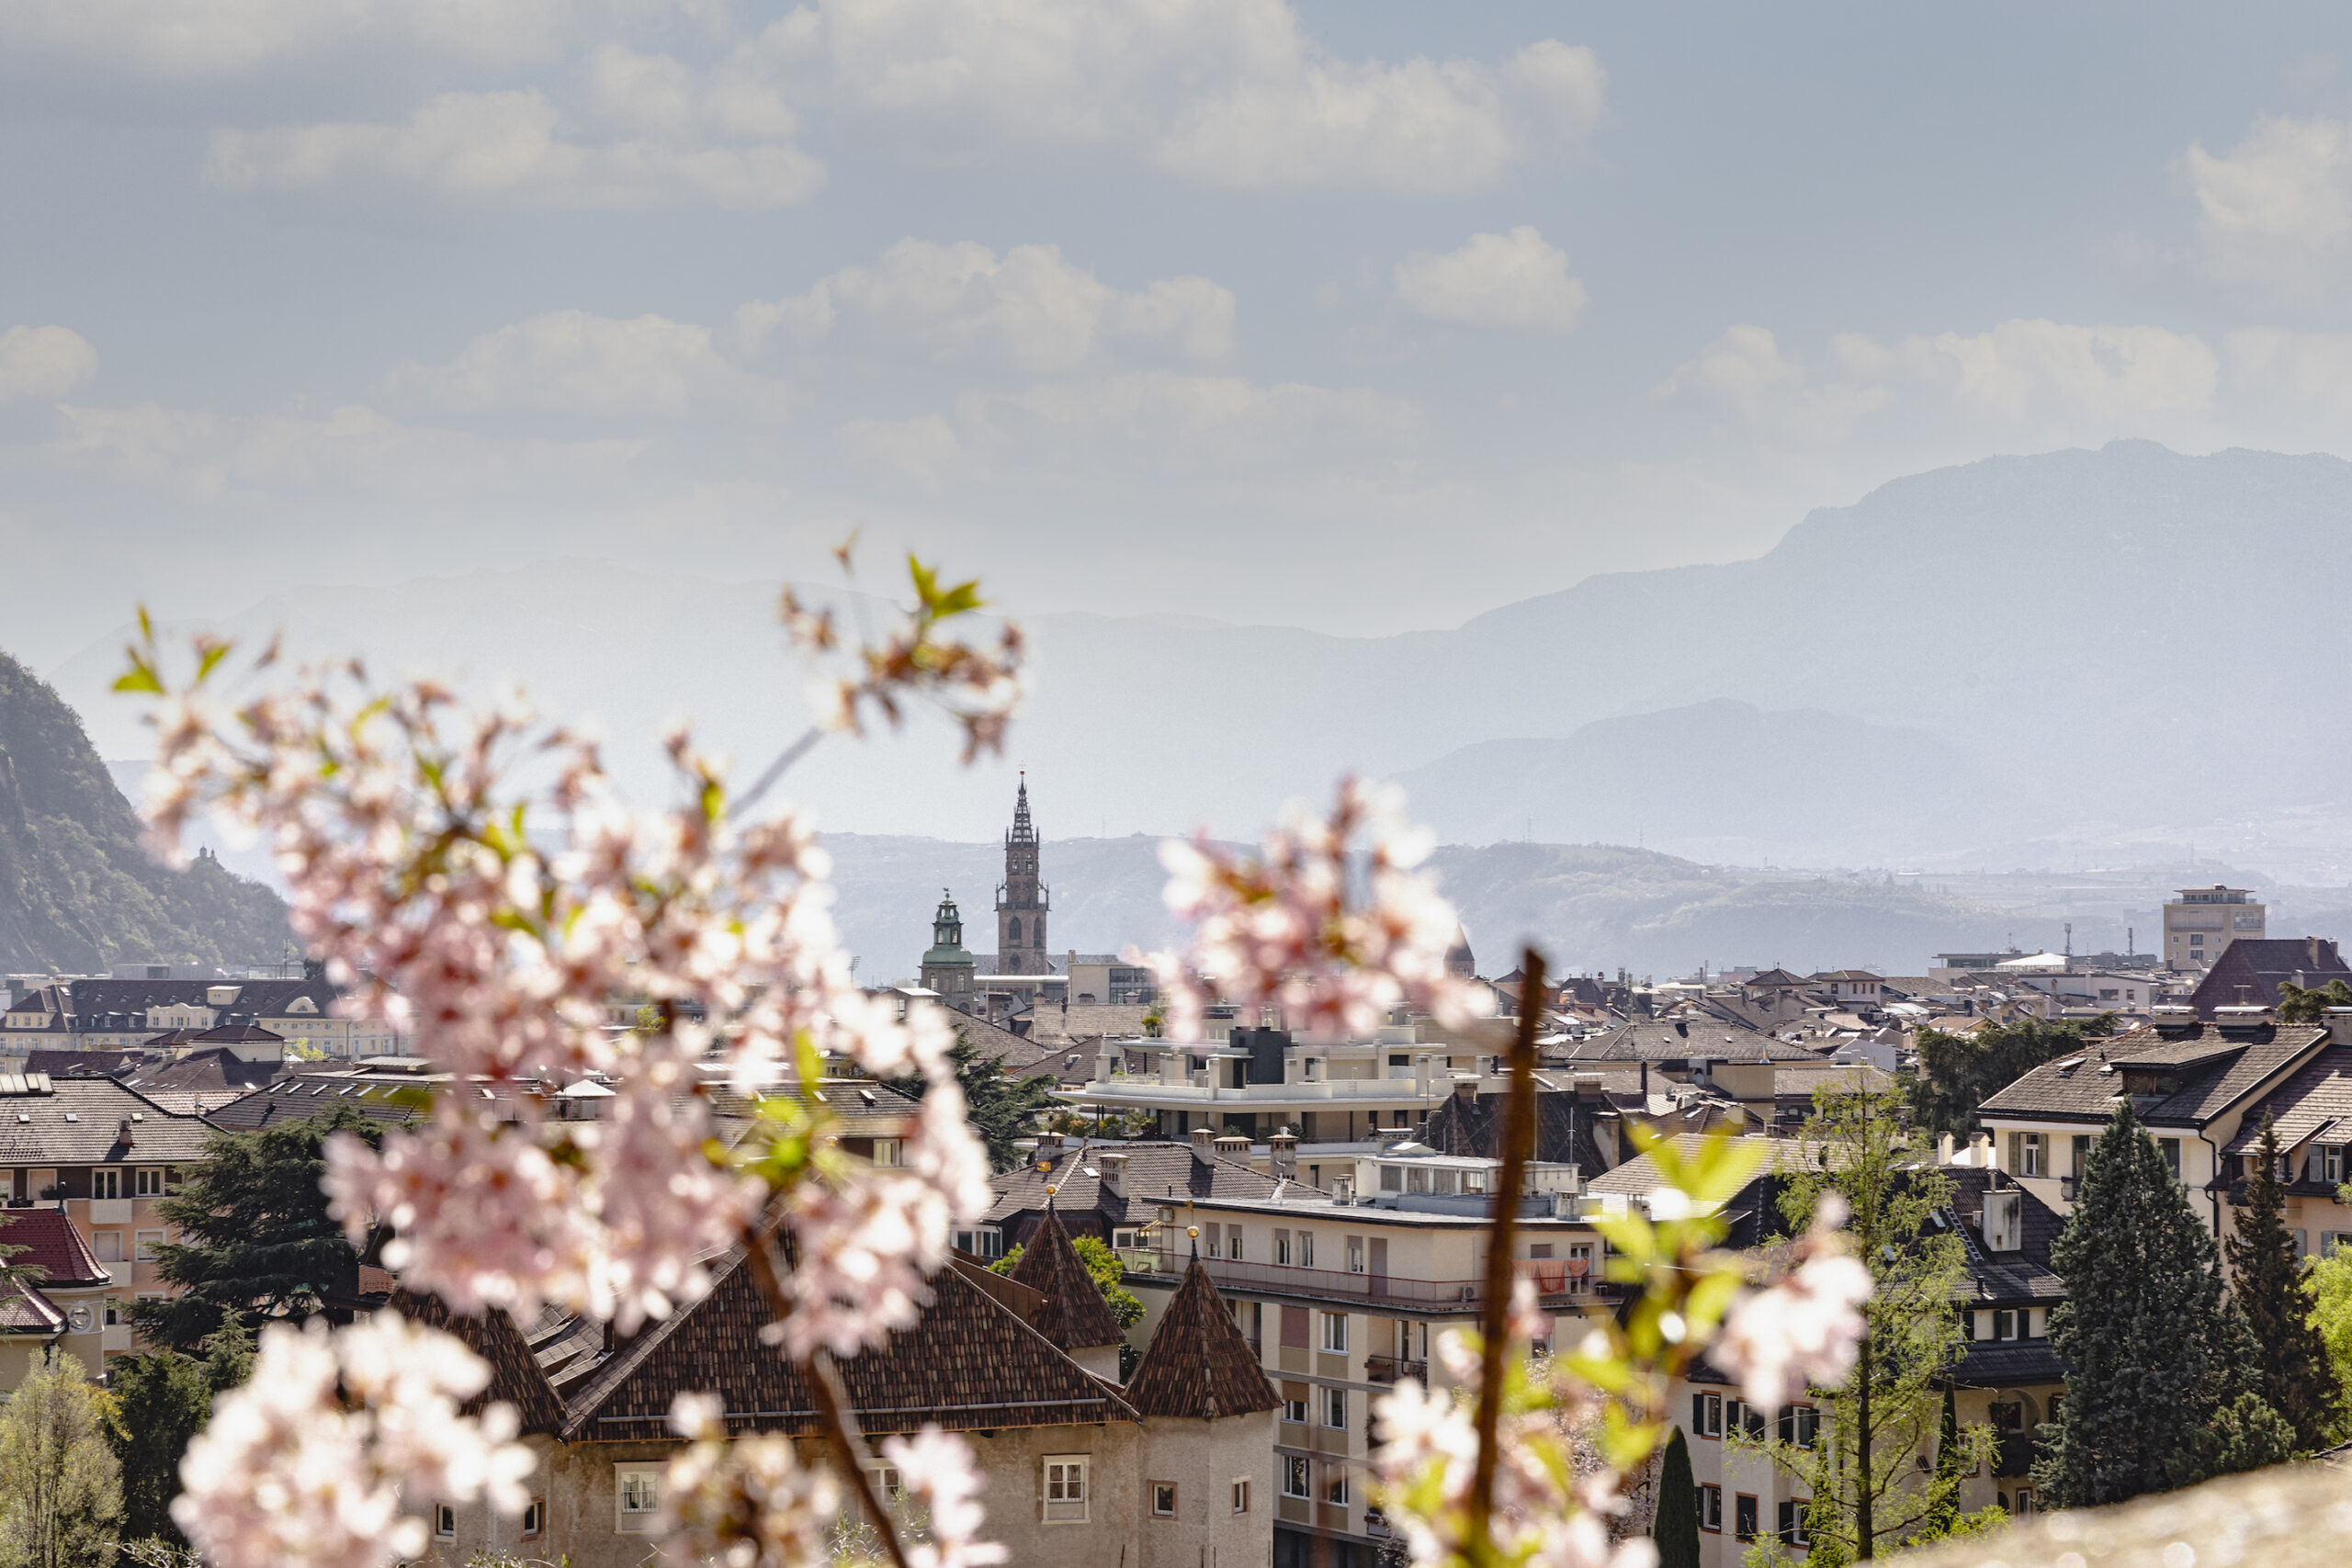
(1074, 1316)
(1198, 1364)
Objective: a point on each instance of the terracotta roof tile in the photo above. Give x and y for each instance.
(1073, 1315)
(515, 1374)
(51, 1245)
(1198, 1364)
(2314, 1102)
(970, 1362)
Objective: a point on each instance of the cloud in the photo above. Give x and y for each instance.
(574, 361)
(1510, 282)
(43, 362)
(1030, 310)
(1163, 420)
(655, 135)
(1224, 93)
(2275, 211)
(2048, 379)
(919, 449)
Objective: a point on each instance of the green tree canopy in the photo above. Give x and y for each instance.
(2297, 1380)
(1104, 1265)
(255, 1232)
(2155, 1350)
(160, 1400)
(2327, 1283)
(999, 1106)
(60, 1491)
(2297, 1005)
(1958, 1072)
(1675, 1529)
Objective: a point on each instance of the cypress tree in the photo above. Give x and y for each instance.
(1675, 1528)
(2266, 1277)
(2153, 1346)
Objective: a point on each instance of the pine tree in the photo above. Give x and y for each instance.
(2266, 1278)
(160, 1400)
(60, 1491)
(2155, 1347)
(1675, 1530)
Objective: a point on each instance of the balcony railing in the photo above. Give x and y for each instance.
(1555, 1280)
(1389, 1369)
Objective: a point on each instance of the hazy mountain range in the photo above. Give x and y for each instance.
(2070, 659)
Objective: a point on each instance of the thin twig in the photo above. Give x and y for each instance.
(776, 770)
(846, 1445)
(1494, 1313)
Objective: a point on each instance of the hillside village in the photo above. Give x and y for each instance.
(1208, 1257)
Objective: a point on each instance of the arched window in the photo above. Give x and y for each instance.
(1016, 932)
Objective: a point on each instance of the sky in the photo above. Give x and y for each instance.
(1361, 317)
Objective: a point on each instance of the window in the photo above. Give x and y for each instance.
(108, 1245)
(1473, 1182)
(1334, 1331)
(444, 1522)
(1241, 1495)
(1799, 1425)
(1306, 1249)
(2024, 1505)
(1335, 1485)
(1294, 1327)
(638, 1497)
(107, 1183)
(1294, 1403)
(2171, 1150)
(1214, 1233)
(1281, 1247)
(2005, 1323)
(2329, 1159)
(1356, 1255)
(1417, 1180)
(1233, 1244)
(1707, 1415)
(1163, 1499)
(1741, 1417)
(535, 1519)
(2029, 1155)
(1066, 1488)
(2082, 1152)
(887, 1482)
(1126, 1238)
(889, 1151)
(1392, 1178)
(1710, 1507)
(1793, 1531)
(983, 1242)
(147, 1241)
(147, 1181)
(1335, 1409)
(1743, 1517)
(1293, 1469)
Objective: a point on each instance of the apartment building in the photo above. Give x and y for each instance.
(2195, 1086)
(1339, 1297)
(2201, 922)
(124, 1014)
(103, 1157)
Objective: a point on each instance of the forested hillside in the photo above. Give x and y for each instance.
(77, 893)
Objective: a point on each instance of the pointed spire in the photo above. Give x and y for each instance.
(1023, 832)
(1198, 1364)
(1075, 1316)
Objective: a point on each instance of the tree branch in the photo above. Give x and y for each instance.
(844, 1442)
(1494, 1315)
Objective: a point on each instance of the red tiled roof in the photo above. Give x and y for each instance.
(24, 1310)
(1198, 1364)
(52, 1245)
(1073, 1315)
(968, 1363)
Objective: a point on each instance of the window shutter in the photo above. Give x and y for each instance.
(1698, 1415)
(1787, 1423)
(2017, 1145)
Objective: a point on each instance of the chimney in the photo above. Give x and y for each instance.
(1588, 1086)
(1943, 1148)
(1203, 1142)
(1281, 1155)
(1980, 1150)
(1114, 1173)
(2003, 1221)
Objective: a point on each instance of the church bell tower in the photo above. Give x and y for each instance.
(1022, 901)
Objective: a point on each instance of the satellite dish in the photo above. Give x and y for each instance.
(80, 1318)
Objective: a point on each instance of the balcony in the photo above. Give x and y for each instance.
(1393, 1369)
(1558, 1282)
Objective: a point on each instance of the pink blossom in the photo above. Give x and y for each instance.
(1289, 929)
(1805, 1330)
(326, 1454)
(746, 1502)
(941, 1482)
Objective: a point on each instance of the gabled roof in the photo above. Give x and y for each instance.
(515, 1374)
(24, 1310)
(2314, 1101)
(1198, 1365)
(302, 1099)
(1157, 1170)
(970, 1362)
(52, 1245)
(1699, 1039)
(1471, 1125)
(81, 1121)
(2021, 1276)
(1640, 1174)
(2249, 971)
(1073, 1314)
(2217, 1067)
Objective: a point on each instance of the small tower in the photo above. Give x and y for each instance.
(1074, 1316)
(1460, 962)
(1022, 901)
(1208, 1425)
(948, 968)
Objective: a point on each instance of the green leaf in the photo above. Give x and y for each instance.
(140, 677)
(209, 656)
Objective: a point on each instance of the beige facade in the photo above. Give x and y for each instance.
(2201, 921)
